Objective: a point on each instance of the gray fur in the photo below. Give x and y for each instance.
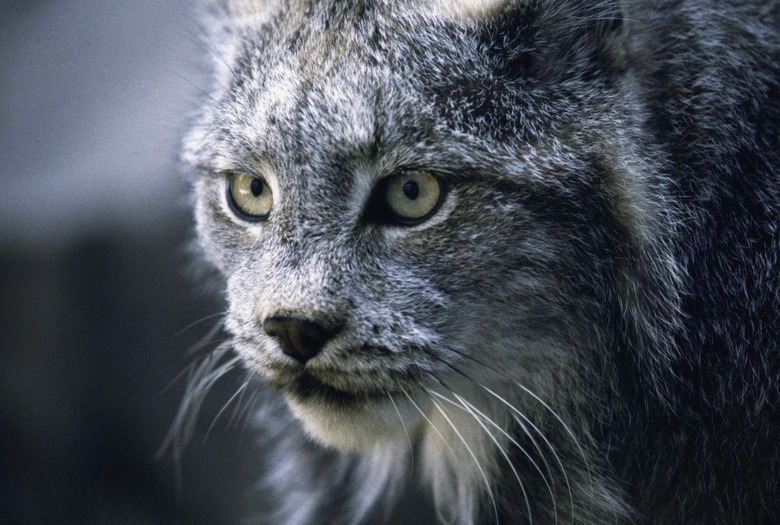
(585, 331)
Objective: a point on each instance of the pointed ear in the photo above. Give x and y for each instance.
(224, 26)
(558, 38)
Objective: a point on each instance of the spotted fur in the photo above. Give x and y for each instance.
(585, 331)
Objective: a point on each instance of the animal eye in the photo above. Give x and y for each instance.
(412, 196)
(249, 196)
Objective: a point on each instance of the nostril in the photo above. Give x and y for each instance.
(300, 338)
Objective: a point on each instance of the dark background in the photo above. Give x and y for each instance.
(98, 300)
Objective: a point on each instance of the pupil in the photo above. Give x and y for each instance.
(257, 187)
(411, 190)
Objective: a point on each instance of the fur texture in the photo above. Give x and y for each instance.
(585, 328)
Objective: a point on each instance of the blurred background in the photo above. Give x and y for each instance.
(98, 302)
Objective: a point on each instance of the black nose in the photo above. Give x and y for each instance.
(300, 338)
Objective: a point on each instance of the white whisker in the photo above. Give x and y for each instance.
(435, 429)
(224, 407)
(477, 415)
(471, 453)
(213, 331)
(201, 379)
(247, 411)
(541, 434)
(530, 423)
(564, 425)
(207, 339)
(534, 396)
(406, 431)
(526, 431)
(240, 406)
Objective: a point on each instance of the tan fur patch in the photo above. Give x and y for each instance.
(251, 10)
(463, 9)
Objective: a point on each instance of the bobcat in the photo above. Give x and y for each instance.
(501, 261)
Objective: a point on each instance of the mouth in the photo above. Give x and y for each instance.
(350, 420)
(307, 388)
(328, 385)
(334, 391)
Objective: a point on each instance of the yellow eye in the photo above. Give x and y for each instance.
(412, 196)
(250, 196)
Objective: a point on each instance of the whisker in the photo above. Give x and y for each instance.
(434, 427)
(205, 341)
(536, 429)
(539, 400)
(406, 431)
(546, 463)
(209, 337)
(201, 378)
(224, 407)
(525, 418)
(471, 453)
(530, 423)
(238, 411)
(545, 478)
(191, 83)
(549, 475)
(214, 47)
(211, 333)
(465, 405)
(248, 410)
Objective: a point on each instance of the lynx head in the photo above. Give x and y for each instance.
(421, 204)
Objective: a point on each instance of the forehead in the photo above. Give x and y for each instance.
(311, 80)
(333, 78)
(301, 116)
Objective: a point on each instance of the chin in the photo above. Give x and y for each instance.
(348, 422)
